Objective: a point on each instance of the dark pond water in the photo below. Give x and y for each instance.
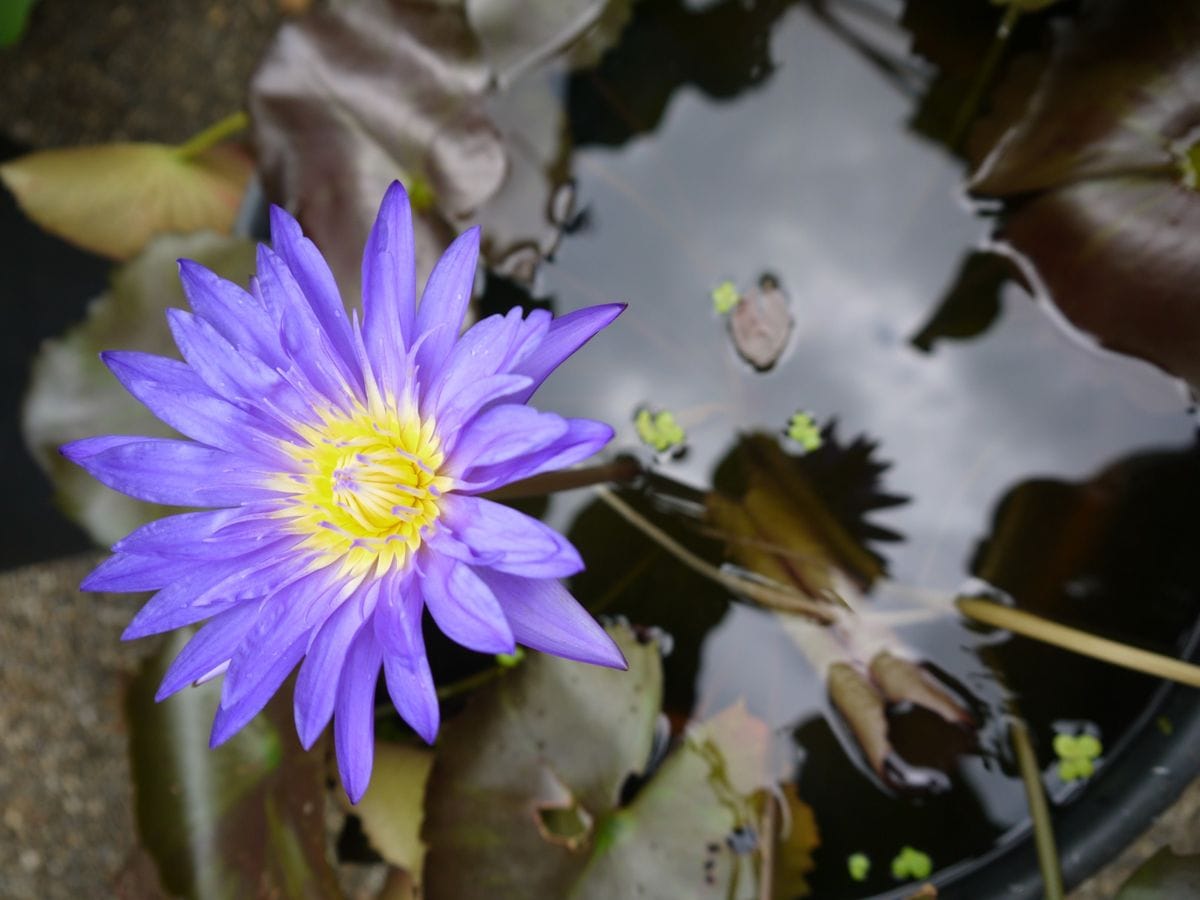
(1032, 461)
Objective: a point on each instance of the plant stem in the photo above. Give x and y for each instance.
(983, 77)
(213, 135)
(463, 685)
(774, 598)
(621, 470)
(1081, 642)
(766, 831)
(1039, 811)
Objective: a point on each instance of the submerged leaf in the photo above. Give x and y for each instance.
(112, 199)
(72, 395)
(243, 820)
(527, 798)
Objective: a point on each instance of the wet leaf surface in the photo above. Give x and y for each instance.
(517, 35)
(244, 820)
(72, 394)
(1099, 201)
(525, 798)
(472, 146)
(112, 199)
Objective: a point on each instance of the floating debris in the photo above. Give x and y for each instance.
(660, 430)
(761, 324)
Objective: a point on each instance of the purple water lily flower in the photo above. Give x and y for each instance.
(342, 467)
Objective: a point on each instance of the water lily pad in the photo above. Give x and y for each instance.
(391, 809)
(526, 795)
(346, 100)
(244, 820)
(72, 395)
(112, 199)
(517, 34)
(1093, 160)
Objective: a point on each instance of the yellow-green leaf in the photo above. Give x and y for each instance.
(112, 199)
(392, 809)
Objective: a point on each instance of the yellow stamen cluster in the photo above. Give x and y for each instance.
(368, 488)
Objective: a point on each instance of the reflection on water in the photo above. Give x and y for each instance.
(812, 176)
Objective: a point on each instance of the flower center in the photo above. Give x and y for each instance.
(368, 488)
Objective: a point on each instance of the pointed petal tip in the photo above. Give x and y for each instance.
(354, 793)
(306, 732)
(427, 732)
(396, 193)
(134, 630)
(221, 732)
(610, 656)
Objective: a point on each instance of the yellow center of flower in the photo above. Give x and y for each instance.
(368, 488)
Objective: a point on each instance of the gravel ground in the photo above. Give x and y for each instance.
(64, 778)
(156, 70)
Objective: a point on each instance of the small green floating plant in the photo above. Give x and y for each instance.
(1077, 755)
(660, 430)
(803, 429)
(859, 866)
(725, 297)
(911, 864)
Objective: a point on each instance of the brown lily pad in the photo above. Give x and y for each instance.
(1097, 163)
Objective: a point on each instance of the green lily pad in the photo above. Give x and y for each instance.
(525, 798)
(244, 820)
(72, 395)
(112, 199)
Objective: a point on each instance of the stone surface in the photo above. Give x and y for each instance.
(1178, 827)
(67, 820)
(89, 72)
